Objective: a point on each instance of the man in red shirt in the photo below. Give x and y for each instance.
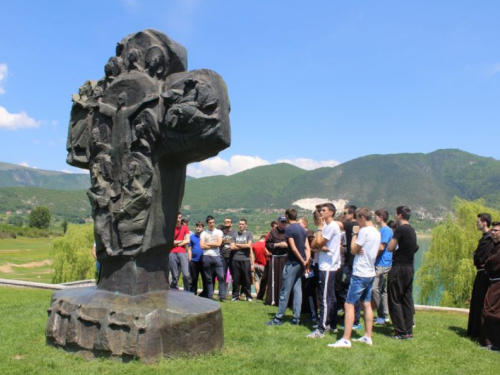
(260, 256)
(178, 258)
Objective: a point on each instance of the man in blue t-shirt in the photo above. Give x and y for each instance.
(195, 254)
(298, 257)
(383, 265)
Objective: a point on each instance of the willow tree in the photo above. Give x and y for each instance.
(72, 254)
(447, 272)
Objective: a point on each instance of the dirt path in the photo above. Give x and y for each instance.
(7, 268)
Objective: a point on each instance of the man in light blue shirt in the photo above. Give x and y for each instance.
(383, 265)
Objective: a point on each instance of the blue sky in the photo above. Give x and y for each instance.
(312, 83)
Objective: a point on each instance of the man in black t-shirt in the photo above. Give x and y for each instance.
(400, 278)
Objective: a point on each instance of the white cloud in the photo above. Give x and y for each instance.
(24, 164)
(238, 163)
(3, 75)
(13, 121)
(218, 166)
(74, 170)
(309, 164)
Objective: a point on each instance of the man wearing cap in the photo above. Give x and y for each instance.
(277, 245)
(297, 260)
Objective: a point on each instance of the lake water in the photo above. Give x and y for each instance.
(423, 240)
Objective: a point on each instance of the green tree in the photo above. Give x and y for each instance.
(15, 220)
(64, 226)
(447, 272)
(72, 254)
(40, 217)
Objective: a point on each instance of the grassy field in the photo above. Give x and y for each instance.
(26, 259)
(439, 347)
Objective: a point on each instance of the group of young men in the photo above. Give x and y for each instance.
(484, 313)
(356, 278)
(209, 253)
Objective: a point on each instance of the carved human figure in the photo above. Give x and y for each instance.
(135, 201)
(189, 106)
(145, 132)
(99, 195)
(121, 139)
(133, 60)
(112, 68)
(155, 61)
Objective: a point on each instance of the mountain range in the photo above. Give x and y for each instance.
(425, 182)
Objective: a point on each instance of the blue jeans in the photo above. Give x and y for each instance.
(292, 274)
(360, 289)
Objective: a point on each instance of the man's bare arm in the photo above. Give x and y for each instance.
(355, 248)
(392, 245)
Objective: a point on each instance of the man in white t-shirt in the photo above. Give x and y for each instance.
(364, 246)
(327, 245)
(210, 242)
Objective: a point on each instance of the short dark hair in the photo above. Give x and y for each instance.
(392, 224)
(228, 218)
(486, 218)
(495, 224)
(383, 214)
(209, 217)
(365, 213)
(273, 223)
(184, 221)
(291, 213)
(330, 207)
(351, 209)
(404, 211)
(200, 224)
(243, 219)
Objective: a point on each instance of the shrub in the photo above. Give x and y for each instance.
(72, 254)
(40, 217)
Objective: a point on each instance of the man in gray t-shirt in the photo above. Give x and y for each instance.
(242, 261)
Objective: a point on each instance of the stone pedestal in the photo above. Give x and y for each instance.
(97, 323)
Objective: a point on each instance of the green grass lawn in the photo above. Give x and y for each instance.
(439, 347)
(26, 259)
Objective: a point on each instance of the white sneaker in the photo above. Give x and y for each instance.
(380, 321)
(340, 344)
(364, 339)
(315, 335)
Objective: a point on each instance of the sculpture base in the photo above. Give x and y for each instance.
(96, 323)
